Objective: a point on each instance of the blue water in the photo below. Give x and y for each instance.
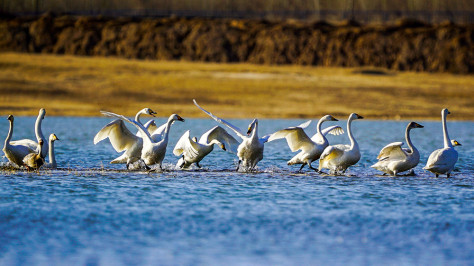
(95, 213)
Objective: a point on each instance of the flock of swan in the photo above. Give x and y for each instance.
(148, 146)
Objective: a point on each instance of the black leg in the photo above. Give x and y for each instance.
(198, 165)
(311, 167)
(302, 165)
(437, 175)
(448, 175)
(238, 165)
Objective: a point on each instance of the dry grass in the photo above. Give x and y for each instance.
(81, 86)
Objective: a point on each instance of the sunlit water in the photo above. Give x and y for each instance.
(92, 214)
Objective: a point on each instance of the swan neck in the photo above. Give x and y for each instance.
(254, 132)
(167, 129)
(318, 129)
(137, 117)
(38, 131)
(447, 141)
(10, 133)
(52, 159)
(408, 139)
(349, 133)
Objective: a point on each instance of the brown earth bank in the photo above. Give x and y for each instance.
(405, 45)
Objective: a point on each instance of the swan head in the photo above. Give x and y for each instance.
(194, 139)
(354, 116)
(175, 117)
(252, 126)
(148, 111)
(415, 125)
(329, 118)
(222, 146)
(455, 143)
(445, 112)
(10, 118)
(42, 113)
(53, 137)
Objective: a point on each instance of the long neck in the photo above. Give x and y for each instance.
(52, 159)
(38, 131)
(318, 128)
(167, 129)
(407, 137)
(254, 132)
(447, 141)
(137, 117)
(10, 133)
(351, 137)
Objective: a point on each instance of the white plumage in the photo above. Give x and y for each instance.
(337, 158)
(394, 159)
(442, 161)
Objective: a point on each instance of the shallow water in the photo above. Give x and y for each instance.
(96, 213)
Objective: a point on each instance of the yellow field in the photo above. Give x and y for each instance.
(82, 86)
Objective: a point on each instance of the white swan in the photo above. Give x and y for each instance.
(311, 149)
(34, 145)
(34, 161)
(194, 151)
(151, 152)
(123, 140)
(52, 158)
(442, 161)
(15, 153)
(394, 159)
(250, 150)
(338, 158)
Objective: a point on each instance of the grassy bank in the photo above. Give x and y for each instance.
(81, 86)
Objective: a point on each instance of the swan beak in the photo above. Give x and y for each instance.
(418, 125)
(223, 147)
(456, 143)
(334, 119)
(180, 118)
(249, 131)
(359, 116)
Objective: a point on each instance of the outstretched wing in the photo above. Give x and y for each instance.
(186, 145)
(140, 127)
(229, 125)
(295, 136)
(333, 130)
(120, 137)
(220, 134)
(30, 144)
(150, 126)
(392, 151)
(157, 134)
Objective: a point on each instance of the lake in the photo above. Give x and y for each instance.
(91, 212)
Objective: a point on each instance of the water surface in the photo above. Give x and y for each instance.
(96, 213)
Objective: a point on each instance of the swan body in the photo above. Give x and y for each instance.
(394, 159)
(194, 151)
(31, 144)
(52, 158)
(123, 140)
(15, 153)
(337, 158)
(151, 152)
(311, 149)
(250, 150)
(34, 161)
(442, 161)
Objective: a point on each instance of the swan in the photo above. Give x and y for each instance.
(15, 152)
(52, 159)
(31, 144)
(250, 150)
(311, 149)
(123, 140)
(339, 157)
(442, 161)
(194, 151)
(34, 161)
(151, 152)
(394, 159)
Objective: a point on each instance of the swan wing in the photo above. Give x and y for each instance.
(295, 137)
(220, 134)
(120, 137)
(222, 121)
(305, 124)
(30, 144)
(157, 134)
(392, 151)
(186, 145)
(150, 126)
(441, 157)
(140, 127)
(333, 130)
(330, 153)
